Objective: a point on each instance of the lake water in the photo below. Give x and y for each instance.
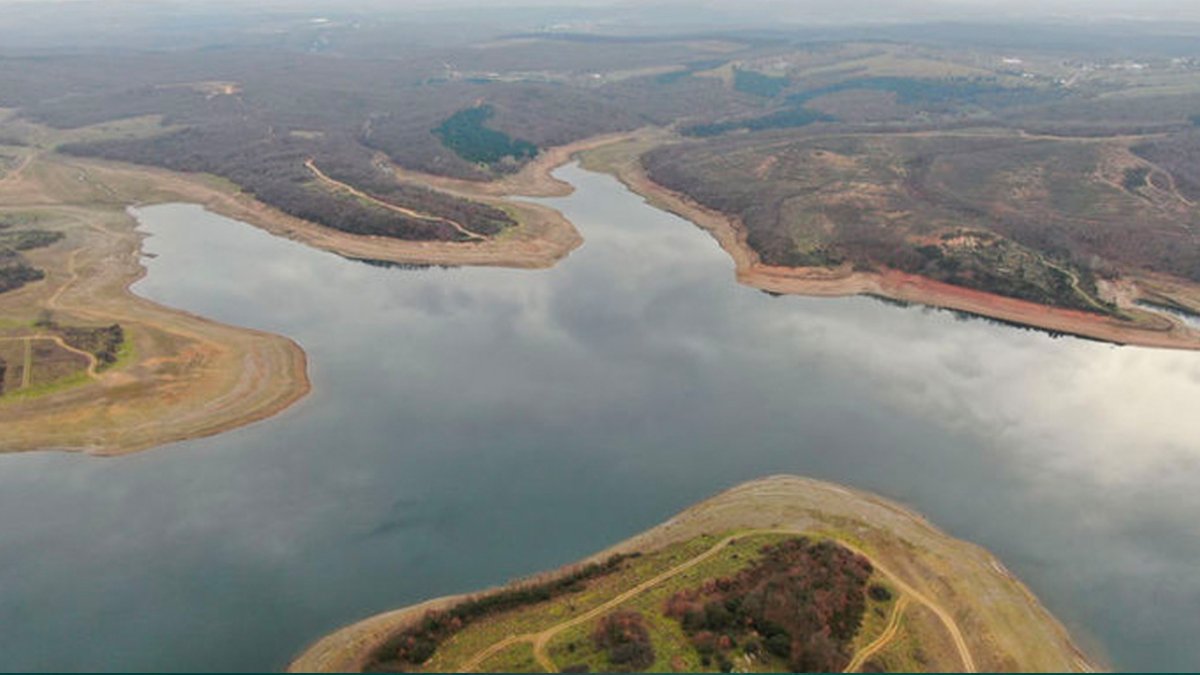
(469, 426)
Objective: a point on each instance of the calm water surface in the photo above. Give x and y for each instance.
(469, 426)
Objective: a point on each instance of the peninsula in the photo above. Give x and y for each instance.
(725, 585)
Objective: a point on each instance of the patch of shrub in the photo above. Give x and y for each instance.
(16, 274)
(879, 593)
(27, 240)
(624, 636)
(102, 342)
(802, 601)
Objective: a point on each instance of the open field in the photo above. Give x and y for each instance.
(944, 604)
(1107, 313)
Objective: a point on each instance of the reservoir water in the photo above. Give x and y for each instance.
(470, 426)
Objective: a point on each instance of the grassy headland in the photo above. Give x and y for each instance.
(726, 584)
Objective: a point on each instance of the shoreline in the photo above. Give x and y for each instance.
(266, 374)
(542, 238)
(955, 573)
(892, 284)
(192, 377)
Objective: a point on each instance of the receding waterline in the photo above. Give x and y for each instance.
(469, 426)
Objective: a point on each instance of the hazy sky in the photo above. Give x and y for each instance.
(1082, 9)
(739, 12)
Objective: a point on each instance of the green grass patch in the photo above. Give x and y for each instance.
(45, 389)
(516, 659)
(878, 613)
(477, 636)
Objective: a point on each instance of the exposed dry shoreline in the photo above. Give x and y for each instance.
(1153, 330)
(1005, 627)
(222, 377)
(543, 237)
(194, 377)
(186, 376)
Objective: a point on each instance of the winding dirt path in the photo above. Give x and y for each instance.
(541, 639)
(312, 166)
(93, 362)
(73, 276)
(26, 378)
(1074, 283)
(960, 642)
(888, 634)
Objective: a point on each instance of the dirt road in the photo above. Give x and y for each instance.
(888, 634)
(312, 166)
(541, 639)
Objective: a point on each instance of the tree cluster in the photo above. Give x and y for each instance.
(15, 274)
(802, 602)
(465, 133)
(104, 342)
(27, 240)
(623, 636)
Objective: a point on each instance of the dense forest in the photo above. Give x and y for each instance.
(759, 84)
(271, 167)
(465, 132)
